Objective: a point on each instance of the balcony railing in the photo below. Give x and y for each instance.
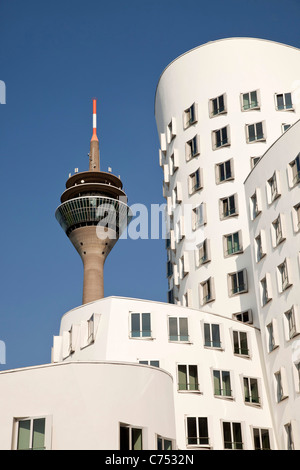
(91, 210)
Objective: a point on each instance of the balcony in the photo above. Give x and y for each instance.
(90, 210)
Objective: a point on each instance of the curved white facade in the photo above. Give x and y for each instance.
(198, 349)
(85, 404)
(274, 238)
(218, 107)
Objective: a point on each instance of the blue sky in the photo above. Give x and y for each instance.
(55, 56)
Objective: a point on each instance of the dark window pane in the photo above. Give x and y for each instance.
(265, 440)
(182, 377)
(237, 435)
(193, 378)
(38, 438)
(192, 431)
(183, 327)
(173, 329)
(124, 438)
(227, 435)
(146, 328)
(203, 431)
(135, 325)
(216, 336)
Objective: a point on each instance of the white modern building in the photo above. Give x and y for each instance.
(135, 374)
(273, 199)
(218, 108)
(200, 372)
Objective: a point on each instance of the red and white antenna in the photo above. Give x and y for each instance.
(94, 144)
(94, 136)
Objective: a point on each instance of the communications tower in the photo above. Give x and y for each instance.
(93, 213)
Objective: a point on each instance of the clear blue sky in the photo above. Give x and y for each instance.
(54, 57)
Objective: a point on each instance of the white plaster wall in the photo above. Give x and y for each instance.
(278, 157)
(86, 402)
(232, 66)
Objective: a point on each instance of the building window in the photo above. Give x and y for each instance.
(261, 439)
(190, 116)
(217, 106)
(220, 138)
(197, 431)
(188, 378)
(295, 167)
(283, 276)
(169, 268)
(273, 190)
(212, 335)
(238, 282)
(31, 434)
(272, 336)
(164, 444)
(297, 376)
(207, 291)
(224, 171)
(222, 385)
(265, 294)
(179, 230)
(150, 363)
(171, 130)
(183, 265)
(250, 100)
(259, 249)
(202, 253)
(177, 194)
(171, 296)
(251, 390)
(91, 329)
(277, 231)
(289, 437)
(228, 207)
(192, 148)
(296, 217)
(178, 329)
(232, 433)
(244, 317)
(174, 162)
(255, 132)
(291, 323)
(283, 101)
(254, 161)
(71, 340)
(254, 206)
(281, 392)
(285, 127)
(199, 216)
(140, 325)
(195, 181)
(232, 243)
(130, 438)
(240, 343)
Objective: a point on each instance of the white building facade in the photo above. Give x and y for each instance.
(218, 366)
(218, 108)
(273, 198)
(177, 378)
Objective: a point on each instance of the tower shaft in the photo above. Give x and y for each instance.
(93, 252)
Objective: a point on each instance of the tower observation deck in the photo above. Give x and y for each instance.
(93, 214)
